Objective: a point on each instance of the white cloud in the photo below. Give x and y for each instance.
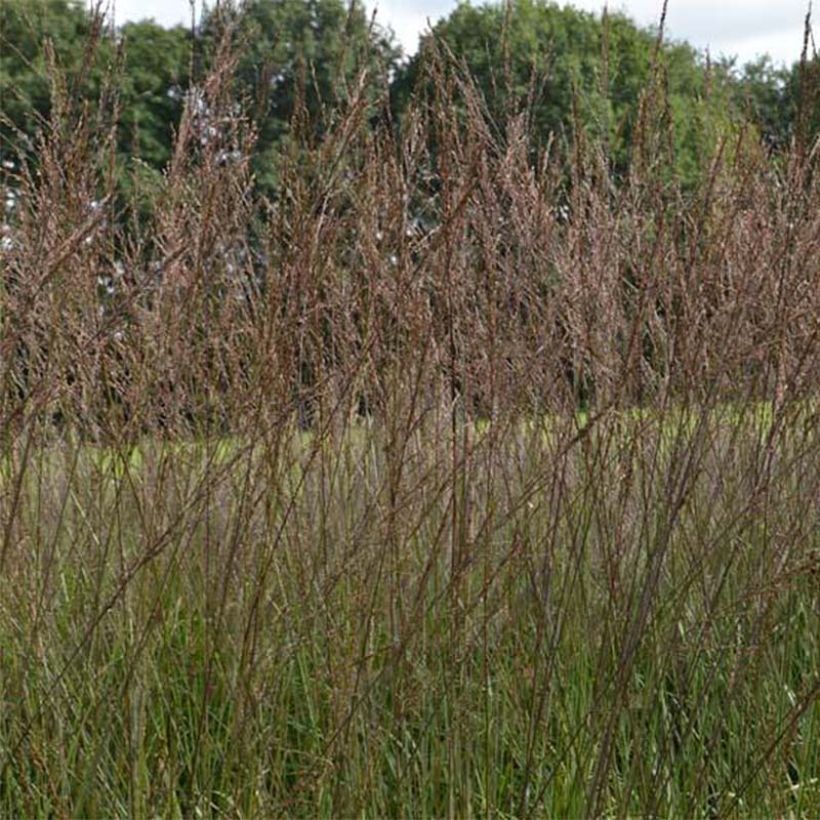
(410, 19)
(742, 27)
(165, 12)
(745, 28)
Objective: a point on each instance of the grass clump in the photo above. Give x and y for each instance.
(410, 492)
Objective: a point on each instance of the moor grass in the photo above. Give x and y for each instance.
(460, 479)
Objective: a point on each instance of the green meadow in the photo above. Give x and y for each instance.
(550, 619)
(416, 439)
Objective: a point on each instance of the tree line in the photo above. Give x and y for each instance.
(296, 60)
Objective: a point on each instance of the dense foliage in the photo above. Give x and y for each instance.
(300, 58)
(574, 70)
(567, 68)
(25, 88)
(465, 476)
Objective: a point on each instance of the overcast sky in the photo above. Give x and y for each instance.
(745, 28)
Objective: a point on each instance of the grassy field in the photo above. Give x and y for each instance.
(467, 477)
(509, 623)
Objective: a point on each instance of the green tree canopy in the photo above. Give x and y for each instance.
(574, 58)
(25, 87)
(149, 82)
(310, 51)
(801, 99)
(152, 90)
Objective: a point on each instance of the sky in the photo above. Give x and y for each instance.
(742, 28)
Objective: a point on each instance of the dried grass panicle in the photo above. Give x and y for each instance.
(461, 475)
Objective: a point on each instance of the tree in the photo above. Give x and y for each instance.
(152, 89)
(305, 53)
(149, 82)
(580, 65)
(25, 88)
(802, 93)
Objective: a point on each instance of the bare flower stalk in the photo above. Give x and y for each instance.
(457, 478)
